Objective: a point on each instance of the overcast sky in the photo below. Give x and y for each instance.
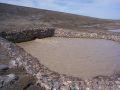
(107, 9)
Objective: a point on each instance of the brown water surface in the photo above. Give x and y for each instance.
(84, 58)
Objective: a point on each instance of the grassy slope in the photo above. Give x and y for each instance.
(17, 17)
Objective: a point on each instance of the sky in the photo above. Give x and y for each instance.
(106, 9)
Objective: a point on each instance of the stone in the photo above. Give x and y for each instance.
(4, 67)
(117, 82)
(7, 79)
(12, 64)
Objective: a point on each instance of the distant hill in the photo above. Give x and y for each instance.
(14, 17)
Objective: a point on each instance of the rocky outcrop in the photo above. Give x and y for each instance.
(51, 80)
(27, 35)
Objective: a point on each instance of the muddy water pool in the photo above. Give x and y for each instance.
(77, 57)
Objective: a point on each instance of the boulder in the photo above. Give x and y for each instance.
(7, 79)
(4, 67)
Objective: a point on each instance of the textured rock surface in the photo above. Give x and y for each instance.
(26, 35)
(59, 32)
(13, 77)
(7, 79)
(3, 67)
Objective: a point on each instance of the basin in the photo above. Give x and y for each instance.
(78, 57)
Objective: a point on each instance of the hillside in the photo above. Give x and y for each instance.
(14, 17)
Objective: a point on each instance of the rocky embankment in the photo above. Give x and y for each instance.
(27, 35)
(13, 77)
(45, 78)
(88, 34)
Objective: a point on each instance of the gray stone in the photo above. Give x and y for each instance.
(4, 67)
(7, 79)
